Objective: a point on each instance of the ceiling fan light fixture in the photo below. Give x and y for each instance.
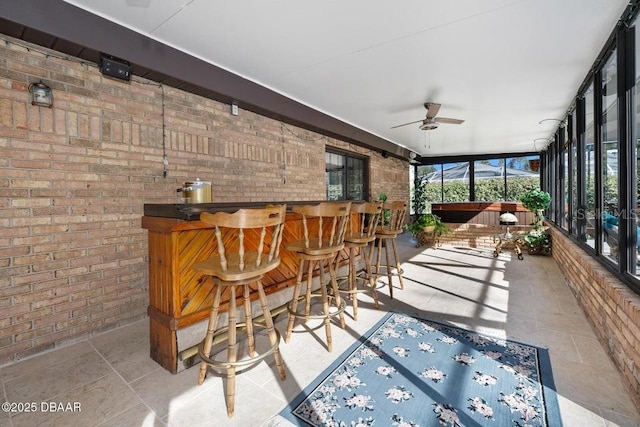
(429, 125)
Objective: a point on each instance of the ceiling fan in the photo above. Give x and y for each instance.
(431, 122)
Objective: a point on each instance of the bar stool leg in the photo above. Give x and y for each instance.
(307, 307)
(273, 337)
(325, 310)
(232, 354)
(353, 285)
(213, 322)
(395, 255)
(388, 259)
(378, 259)
(294, 301)
(334, 285)
(367, 265)
(249, 321)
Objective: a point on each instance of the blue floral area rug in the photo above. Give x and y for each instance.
(411, 372)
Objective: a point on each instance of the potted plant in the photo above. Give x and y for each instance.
(538, 240)
(386, 213)
(427, 226)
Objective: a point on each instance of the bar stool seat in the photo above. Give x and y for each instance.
(237, 265)
(392, 225)
(365, 218)
(324, 227)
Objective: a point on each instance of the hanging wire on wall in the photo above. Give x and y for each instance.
(284, 127)
(301, 137)
(165, 159)
(49, 53)
(284, 158)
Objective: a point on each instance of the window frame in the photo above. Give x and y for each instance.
(365, 170)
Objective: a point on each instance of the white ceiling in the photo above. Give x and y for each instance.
(501, 65)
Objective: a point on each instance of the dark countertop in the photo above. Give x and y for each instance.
(191, 212)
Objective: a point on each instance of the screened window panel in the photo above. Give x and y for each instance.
(590, 161)
(489, 180)
(610, 164)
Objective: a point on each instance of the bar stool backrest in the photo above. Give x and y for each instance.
(393, 216)
(364, 224)
(267, 222)
(329, 228)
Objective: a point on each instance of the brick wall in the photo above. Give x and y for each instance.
(74, 179)
(477, 235)
(612, 308)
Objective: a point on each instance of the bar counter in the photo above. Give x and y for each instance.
(179, 299)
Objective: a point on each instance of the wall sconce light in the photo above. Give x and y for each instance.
(41, 94)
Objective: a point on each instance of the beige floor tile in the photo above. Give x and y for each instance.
(45, 361)
(593, 389)
(575, 414)
(4, 416)
(592, 354)
(164, 392)
(576, 324)
(209, 409)
(121, 348)
(560, 344)
(98, 400)
(138, 416)
(60, 379)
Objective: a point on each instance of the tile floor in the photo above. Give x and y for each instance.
(117, 384)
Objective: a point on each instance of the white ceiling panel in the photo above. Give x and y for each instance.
(501, 65)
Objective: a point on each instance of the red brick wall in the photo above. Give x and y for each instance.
(74, 179)
(612, 308)
(477, 235)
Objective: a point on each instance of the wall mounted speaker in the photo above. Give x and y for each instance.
(114, 67)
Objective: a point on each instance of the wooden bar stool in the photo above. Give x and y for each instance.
(324, 226)
(248, 243)
(365, 218)
(392, 223)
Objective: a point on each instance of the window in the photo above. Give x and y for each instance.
(346, 176)
(493, 179)
(609, 158)
(590, 170)
(522, 175)
(573, 179)
(634, 173)
(563, 216)
(445, 182)
(489, 180)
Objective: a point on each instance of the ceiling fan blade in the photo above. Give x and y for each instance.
(404, 124)
(432, 109)
(448, 120)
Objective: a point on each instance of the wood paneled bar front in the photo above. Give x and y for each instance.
(179, 298)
